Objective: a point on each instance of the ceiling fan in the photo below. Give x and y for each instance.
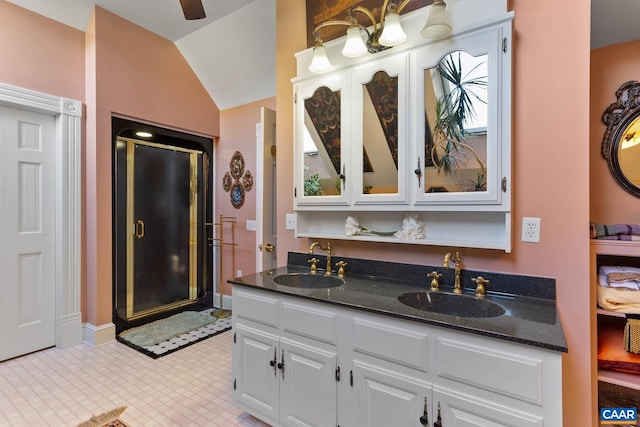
(193, 9)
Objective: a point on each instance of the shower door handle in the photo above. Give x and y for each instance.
(139, 229)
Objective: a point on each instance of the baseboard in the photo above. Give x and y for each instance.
(96, 336)
(69, 331)
(226, 301)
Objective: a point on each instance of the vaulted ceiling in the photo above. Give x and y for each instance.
(232, 50)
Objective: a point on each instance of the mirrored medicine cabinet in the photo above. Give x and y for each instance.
(420, 130)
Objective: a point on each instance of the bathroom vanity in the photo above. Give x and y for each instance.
(318, 351)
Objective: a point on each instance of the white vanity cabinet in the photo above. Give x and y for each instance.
(474, 380)
(411, 150)
(284, 381)
(353, 368)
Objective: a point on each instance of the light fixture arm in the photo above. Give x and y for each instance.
(316, 35)
(392, 7)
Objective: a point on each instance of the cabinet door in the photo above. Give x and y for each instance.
(386, 398)
(308, 389)
(321, 130)
(257, 381)
(462, 118)
(379, 142)
(462, 410)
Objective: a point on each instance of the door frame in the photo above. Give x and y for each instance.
(68, 213)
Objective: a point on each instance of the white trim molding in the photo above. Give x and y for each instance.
(68, 113)
(95, 336)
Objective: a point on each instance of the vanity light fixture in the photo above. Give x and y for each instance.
(384, 35)
(437, 25)
(143, 134)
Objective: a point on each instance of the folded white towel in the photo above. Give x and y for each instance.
(620, 277)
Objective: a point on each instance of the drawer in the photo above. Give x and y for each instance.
(256, 307)
(395, 344)
(303, 320)
(506, 373)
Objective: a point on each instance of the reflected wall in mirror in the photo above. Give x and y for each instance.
(322, 143)
(455, 95)
(380, 134)
(621, 141)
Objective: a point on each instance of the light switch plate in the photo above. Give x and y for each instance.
(291, 221)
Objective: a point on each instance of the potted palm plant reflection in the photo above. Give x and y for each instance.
(453, 110)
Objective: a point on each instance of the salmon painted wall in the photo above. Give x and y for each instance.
(610, 67)
(550, 162)
(137, 74)
(238, 133)
(49, 59)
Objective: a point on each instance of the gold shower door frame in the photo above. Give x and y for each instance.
(132, 227)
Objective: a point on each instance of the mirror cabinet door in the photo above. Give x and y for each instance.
(459, 135)
(379, 118)
(320, 134)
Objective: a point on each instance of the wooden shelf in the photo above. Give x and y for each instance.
(604, 312)
(619, 378)
(613, 248)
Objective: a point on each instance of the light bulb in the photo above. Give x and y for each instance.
(392, 33)
(320, 62)
(437, 25)
(354, 46)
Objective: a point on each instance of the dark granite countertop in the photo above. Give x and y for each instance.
(531, 317)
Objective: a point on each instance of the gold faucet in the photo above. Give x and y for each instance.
(328, 249)
(435, 285)
(457, 288)
(480, 288)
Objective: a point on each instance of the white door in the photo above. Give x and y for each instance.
(462, 410)
(27, 230)
(257, 378)
(385, 398)
(308, 391)
(266, 191)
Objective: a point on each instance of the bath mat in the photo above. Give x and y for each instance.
(108, 419)
(166, 336)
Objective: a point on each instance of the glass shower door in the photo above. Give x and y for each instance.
(164, 227)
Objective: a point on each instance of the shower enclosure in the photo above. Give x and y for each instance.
(162, 223)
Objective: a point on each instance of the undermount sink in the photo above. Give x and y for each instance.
(308, 281)
(452, 304)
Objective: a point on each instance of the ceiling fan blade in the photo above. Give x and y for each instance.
(192, 9)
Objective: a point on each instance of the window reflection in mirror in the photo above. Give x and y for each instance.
(380, 134)
(456, 124)
(322, 143)
(629, 153)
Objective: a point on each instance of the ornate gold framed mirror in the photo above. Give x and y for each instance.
(621, 141)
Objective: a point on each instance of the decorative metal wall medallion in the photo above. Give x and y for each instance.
(236, 181)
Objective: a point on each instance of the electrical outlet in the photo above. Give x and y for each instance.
(531, 230)
(291, 221)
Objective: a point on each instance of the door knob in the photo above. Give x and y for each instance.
(269, 247)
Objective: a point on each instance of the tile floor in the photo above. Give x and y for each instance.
(191, 387)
